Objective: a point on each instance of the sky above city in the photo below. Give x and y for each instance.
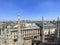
(29, 9)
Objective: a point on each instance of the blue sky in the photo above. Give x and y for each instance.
(29, 9)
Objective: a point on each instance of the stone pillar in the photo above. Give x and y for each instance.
(20, 40)
(8, 37)
(58, 28)
(43, 36)
(2, 37)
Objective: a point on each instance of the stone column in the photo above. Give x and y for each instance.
(43, 36)
(20, 40)
(2, 37)
(8, 35)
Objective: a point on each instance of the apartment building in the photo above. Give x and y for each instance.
(29, 32)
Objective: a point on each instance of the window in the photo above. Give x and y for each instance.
(15, 40)
(35, 36)
(46, 32)
(5, 41)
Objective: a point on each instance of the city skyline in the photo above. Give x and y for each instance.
(29, 9)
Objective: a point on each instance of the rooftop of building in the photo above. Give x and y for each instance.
(24, 26)
(47, 24)
(27, 25)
